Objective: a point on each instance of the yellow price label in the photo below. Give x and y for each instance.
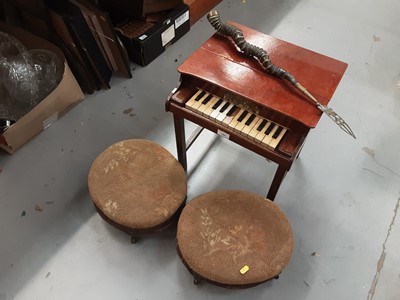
(244, 269)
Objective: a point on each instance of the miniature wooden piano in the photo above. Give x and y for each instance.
(228, 93)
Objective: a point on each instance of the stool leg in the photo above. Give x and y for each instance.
(276, 182)
(298, 154)
(180, 140)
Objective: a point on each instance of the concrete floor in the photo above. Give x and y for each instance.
(341, 197)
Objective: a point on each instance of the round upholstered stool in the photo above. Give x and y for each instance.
(234, 239)
(138, 187)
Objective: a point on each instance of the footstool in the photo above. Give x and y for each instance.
(234, 239)
(138, 187)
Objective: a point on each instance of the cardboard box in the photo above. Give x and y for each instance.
(139, 8)
(144, 41)
(60, 100)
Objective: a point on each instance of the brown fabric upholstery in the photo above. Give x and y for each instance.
(221, 232)
(137, 184)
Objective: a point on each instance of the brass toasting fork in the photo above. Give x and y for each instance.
(262, 56)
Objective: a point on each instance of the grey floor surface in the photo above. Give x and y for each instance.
(341, 197)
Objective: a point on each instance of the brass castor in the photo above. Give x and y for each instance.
(196, 280)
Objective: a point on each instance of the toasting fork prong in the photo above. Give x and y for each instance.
(328, 111)
(337, 119)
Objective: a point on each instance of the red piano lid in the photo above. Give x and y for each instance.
(219, 62)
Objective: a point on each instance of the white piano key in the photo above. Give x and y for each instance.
(268, 137)
(197, 103)
(229, 118)
(235, 121)
(247, 128)
(215, 113)
(207, 112)
(261, 134)
(189, 104)
(239, 126)
(221, 116)
(203, 107)
(252, 134)
(275, 142)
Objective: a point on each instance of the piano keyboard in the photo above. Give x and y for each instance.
(259, 129)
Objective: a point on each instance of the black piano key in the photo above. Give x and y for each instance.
(199, 96)
(277, 132)
(261, 126)
(242, 116)
(208, 98)
(250, 120)
(217, 104)
(231, 111)
(269, 129)
(224, 107)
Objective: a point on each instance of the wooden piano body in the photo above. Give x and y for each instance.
(217, 73)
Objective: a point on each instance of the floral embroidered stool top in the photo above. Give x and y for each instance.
(137, 186)
(234, 239)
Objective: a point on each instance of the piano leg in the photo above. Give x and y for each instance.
(276, 182)
(180, 140)
(301, 148)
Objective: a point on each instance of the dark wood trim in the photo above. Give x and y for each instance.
(198, 8)
(198, 278)
(139, 232)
